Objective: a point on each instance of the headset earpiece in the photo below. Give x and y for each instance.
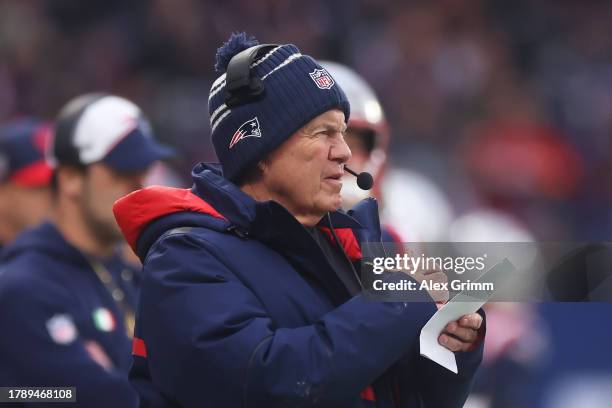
(240, 86)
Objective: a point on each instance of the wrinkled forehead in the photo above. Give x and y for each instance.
(332, 120)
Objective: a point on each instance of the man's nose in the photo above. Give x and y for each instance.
(340, 151)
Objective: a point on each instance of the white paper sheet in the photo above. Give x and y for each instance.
(459, 305)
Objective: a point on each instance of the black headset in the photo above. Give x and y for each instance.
(240, 86)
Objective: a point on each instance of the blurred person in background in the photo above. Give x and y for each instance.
(25, 193)
(67, 297)
(517, 347)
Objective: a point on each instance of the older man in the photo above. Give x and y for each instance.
(250, 292)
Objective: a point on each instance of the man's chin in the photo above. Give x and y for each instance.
(105, 233)
(334, 203)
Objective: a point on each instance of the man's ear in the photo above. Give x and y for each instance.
(263, 165)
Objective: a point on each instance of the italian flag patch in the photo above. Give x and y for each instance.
(103, 319)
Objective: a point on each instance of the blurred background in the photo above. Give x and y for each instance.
(500, 115)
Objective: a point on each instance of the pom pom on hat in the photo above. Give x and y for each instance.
(236, 43)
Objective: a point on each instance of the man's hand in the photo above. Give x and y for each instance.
(462, 334)
(437, 284)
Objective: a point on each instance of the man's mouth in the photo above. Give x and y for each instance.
(335, 179)
(336, 176)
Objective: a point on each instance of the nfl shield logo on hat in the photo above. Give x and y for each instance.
(322, 78)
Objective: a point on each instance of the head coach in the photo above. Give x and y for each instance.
(250, 294)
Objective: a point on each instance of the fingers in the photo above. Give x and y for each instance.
(466, 335)
(462, 334)
(452, 343)
(436, 284)
(471, 321)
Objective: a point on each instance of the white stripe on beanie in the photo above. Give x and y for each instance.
(220, 82)
(220, 119)
(215, 122)
(217, 112)
(289, 60)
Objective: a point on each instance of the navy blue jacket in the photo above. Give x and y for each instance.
(239, 307)
(51, 304)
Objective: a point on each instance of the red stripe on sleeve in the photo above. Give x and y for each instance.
(139, 348)
(368, 394)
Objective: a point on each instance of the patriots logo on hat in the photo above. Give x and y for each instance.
(250, 128)
(322, 78)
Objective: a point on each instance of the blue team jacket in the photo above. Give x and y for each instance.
(239, 307)
(51, 305)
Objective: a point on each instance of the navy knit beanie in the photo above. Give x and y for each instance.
(297, 89)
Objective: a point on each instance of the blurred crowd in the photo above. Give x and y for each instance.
(475, 91)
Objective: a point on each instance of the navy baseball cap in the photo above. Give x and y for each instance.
(22, 152)
(108, 129)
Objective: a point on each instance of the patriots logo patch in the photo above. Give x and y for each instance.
(322, 78)
(250, 128)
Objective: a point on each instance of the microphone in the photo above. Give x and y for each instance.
(365, 181)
